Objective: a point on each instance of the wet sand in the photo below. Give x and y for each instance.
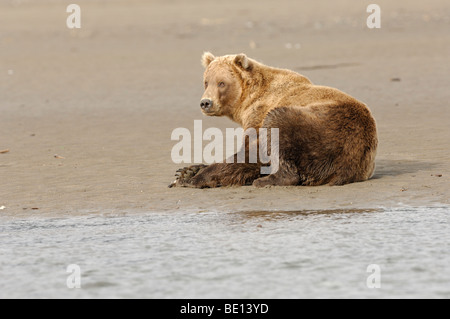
(106, 98)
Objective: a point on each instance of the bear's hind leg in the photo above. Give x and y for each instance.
(226, 174)
(221, 174)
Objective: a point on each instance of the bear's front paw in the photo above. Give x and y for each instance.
(262, 182)
(184, 176)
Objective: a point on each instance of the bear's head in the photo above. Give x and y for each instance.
(224, 80)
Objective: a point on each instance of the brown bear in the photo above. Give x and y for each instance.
(325, 135)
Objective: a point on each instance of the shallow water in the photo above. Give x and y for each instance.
(322, 254)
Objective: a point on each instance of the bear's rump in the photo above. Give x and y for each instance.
(325, 143)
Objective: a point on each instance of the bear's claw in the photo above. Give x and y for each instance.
(184, 175)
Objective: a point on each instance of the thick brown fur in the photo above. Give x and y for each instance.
(325, 135)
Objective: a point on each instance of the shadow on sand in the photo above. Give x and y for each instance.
(387, 167)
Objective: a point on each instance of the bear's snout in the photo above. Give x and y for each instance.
(206, 104)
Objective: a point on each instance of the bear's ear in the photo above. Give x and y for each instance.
(242, 61)
(207, 58)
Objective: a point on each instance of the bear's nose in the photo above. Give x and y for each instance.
(206, 104)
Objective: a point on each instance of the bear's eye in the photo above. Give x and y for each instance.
(221, 84)
(206, 85)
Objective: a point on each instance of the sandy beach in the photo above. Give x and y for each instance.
(86, 114)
